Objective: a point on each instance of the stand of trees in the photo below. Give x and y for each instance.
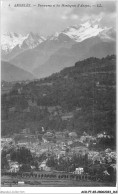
(67, 164)
(22, 156)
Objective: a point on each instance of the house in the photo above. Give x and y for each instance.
(80, 149)
(67, 116)
(41, 107)
(26, 109)
(26, 131)
(51, 109)
(113, 166)
(108, 150)
(54, 109)
(73, 135)
(48, 136)
(22, 144)
(77, 144)
(61, 153)
(12, 109)
(60, 135)
(62, 143)
(87, 139)
(103, 135)
(70, 142)
(79, 170)
(78, 108)
(8, 157)
(97, 84)
(14, 167)
(106, 173)
(43, 166)
(44, 140)
(43, 130)
(32, 103)
(45, 84)
(20, 90)
(33, 167)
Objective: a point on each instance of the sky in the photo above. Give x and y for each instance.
(49, 20)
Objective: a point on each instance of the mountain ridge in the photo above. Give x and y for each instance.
(67, 56)
(11, 41)
(60, 50)
(10, 73)
(77, 33)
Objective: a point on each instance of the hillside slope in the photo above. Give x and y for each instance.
(65, 57)
(86, 92)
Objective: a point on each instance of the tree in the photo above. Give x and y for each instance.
(22, 156)
(4, 162)
(25, 168)
(51, 162)
(112, 173)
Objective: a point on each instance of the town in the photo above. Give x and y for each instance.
(57, 153)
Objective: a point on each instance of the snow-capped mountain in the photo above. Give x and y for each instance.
(11, 40)
(43, 57)
(33, 40)
(79, 33)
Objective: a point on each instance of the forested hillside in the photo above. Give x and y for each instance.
(86, 92)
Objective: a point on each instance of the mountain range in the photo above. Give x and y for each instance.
(14, 43)
(44, 56)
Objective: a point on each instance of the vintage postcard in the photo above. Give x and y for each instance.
(58, 96)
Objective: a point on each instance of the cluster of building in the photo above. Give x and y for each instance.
(58, 144)
(7, 143)
(102, 157)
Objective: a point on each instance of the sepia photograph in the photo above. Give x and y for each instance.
(58, 94)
